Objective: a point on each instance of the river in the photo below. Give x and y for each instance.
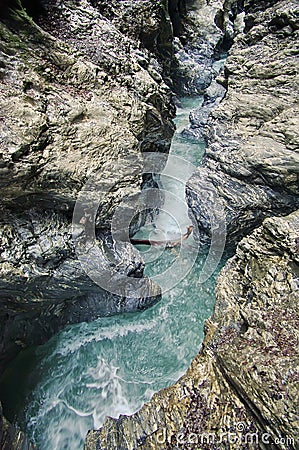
(56, 392)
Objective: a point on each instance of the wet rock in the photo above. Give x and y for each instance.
(44, 286)
(192, 71)
(241, 389)
(11, 438)
(251, 162)
(79, 92)
(208, 30)
(199, 117)
(82, 89)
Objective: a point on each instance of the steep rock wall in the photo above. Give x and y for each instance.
(77, 95)
(241, 390)
(251, 162)
(71, 105)
(83, 84)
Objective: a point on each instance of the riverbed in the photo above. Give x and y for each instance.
(58, 391)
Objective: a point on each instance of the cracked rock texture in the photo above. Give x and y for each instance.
(241, 391)
(207, 31)
(77, 95)
(83, 84)
(86, 83)
(251, 163)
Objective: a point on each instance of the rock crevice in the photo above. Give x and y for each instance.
(241, 390)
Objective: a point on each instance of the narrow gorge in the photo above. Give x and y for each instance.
(92, 92)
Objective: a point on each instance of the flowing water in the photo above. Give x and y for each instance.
(56, 392)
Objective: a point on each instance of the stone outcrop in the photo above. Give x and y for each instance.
(77, 95)
(208, 30)
(251, 162)
(84, 84)
(81, 87)
(241, 390)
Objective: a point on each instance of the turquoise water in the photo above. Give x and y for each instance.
(113, 365)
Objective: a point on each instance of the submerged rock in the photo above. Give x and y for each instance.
(241, 391)
(251, 162)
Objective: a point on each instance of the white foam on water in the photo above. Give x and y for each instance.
(71, 344)
(67, 421)
(114, 375)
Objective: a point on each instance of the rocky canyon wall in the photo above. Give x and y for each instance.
(87, 84)
(251, 162)
(77, 94)
(241, 390)
(83, 85)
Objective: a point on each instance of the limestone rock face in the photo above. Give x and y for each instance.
(252, 161)
(208, 28)
(80, 91)
(241, 391)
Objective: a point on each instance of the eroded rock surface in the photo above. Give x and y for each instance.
(241, 391)
(76, 98)
(83, 85)
(208, 30)
(252, 161)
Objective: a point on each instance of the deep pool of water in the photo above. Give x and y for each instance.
(60, 390)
